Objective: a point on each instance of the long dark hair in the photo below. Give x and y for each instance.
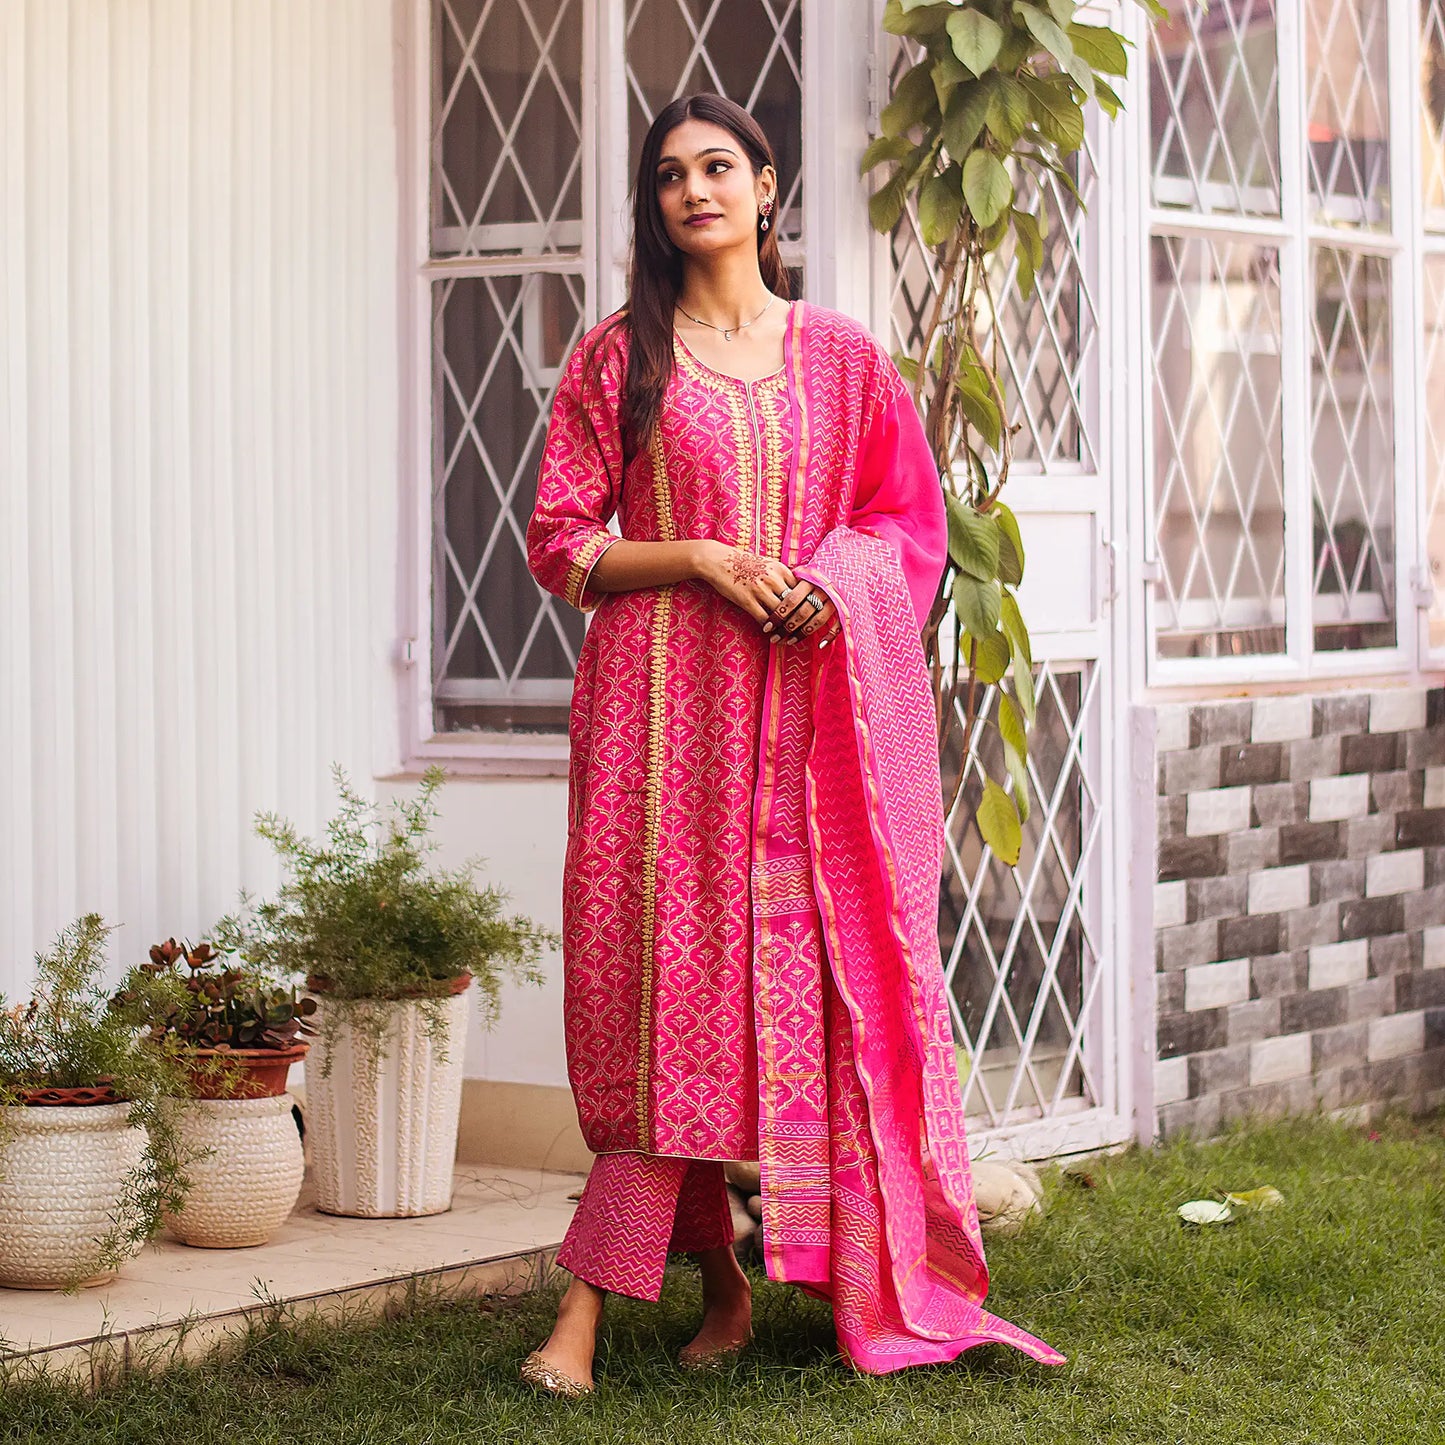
(655, 276)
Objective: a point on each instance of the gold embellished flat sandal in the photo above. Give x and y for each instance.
(712, 1359)
(547, 1378)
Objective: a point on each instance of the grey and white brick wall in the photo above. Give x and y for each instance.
(1299, 912)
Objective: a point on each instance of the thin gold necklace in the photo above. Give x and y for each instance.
(727, 331)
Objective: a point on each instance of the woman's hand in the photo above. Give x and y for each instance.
(804, 611)
(748, 581)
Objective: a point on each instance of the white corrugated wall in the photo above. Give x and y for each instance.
(198, 456)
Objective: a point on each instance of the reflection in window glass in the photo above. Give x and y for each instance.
(1434, 409)
(1347, 72)
(1218, 473)
(1352, 452)
(1432, 111)
(507, 129)
(1213, 107)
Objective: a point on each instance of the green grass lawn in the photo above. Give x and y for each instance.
(1321, 1321)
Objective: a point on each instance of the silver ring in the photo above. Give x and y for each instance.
(781, 596)
(817, 601)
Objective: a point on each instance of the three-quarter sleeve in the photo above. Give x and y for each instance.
(897, 495)
(579, 484)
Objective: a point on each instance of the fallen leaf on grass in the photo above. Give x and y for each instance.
(1206, 1211)
(1265, 1197)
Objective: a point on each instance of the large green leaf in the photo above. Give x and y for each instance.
(1011, 725)
(999, 823)
(986, 187)
(1011, 552)
(1023, 670)
(912, 100)
(973, 543)
(885, 205)
(982, 412)
(917, 17)
(884, 148)
(1101, 47)
(977, 39)
(1108, 98)
(1062, 11)
(1059, 117)
(977, 604)
(1019, 772)
(1047, 31)
(948, 74)
(940, 204)
(1015, 631)
(991, 656)
(1009, 112)
(967, 115)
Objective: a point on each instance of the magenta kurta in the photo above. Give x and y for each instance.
(664, 733)
(751, 882)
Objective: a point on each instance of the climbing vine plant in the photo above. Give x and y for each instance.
(1001, 93)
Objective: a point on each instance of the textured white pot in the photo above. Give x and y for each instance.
(383, 1132)
(245, 1182)
(62, 1174)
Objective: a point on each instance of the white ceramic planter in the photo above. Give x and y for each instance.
(244, 1187)
(62, 1174)
(383, 1132)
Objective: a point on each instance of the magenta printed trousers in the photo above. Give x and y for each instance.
(637, 1207)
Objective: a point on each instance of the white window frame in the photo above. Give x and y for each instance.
(1295, 235)
(837, 255)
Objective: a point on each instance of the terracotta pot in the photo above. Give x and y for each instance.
(262, 1072)
(63, 1171)
(75, 1096)
(382, 1113)
(247, 1175)
(319, 983)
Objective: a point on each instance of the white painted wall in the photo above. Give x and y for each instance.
(519, 826)
(198, 452)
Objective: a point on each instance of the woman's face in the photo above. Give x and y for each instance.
(706, 189)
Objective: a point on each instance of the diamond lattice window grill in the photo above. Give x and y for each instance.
(1432, 110)
(1348, 110)
(1214, 107)
(1022, 945)
(1352, 450)
(1219, 496)
(506, 145)
(495, 624)
(747, 50)
(1048, 341)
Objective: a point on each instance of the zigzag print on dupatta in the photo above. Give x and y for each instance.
(908, 1270)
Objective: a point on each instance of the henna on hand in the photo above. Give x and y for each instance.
(746, 567)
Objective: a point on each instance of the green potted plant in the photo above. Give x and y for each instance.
(90, 1157)
(392, 946)
(237, 1030)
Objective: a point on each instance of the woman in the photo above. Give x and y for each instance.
(755, 833)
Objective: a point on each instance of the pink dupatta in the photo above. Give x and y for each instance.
(867, 1197)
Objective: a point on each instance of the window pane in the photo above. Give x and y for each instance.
(1049, 339)
(748, 50)
(1021, 945)
(507, 127)
(1352, 452)
(499, 343)
(1213, 107)
(1218, 495)
(1432, 110)
(1434, 400)
(1347, 68)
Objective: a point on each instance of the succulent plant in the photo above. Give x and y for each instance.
(195, 996)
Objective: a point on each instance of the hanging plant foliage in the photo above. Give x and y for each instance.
(1000, 95)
